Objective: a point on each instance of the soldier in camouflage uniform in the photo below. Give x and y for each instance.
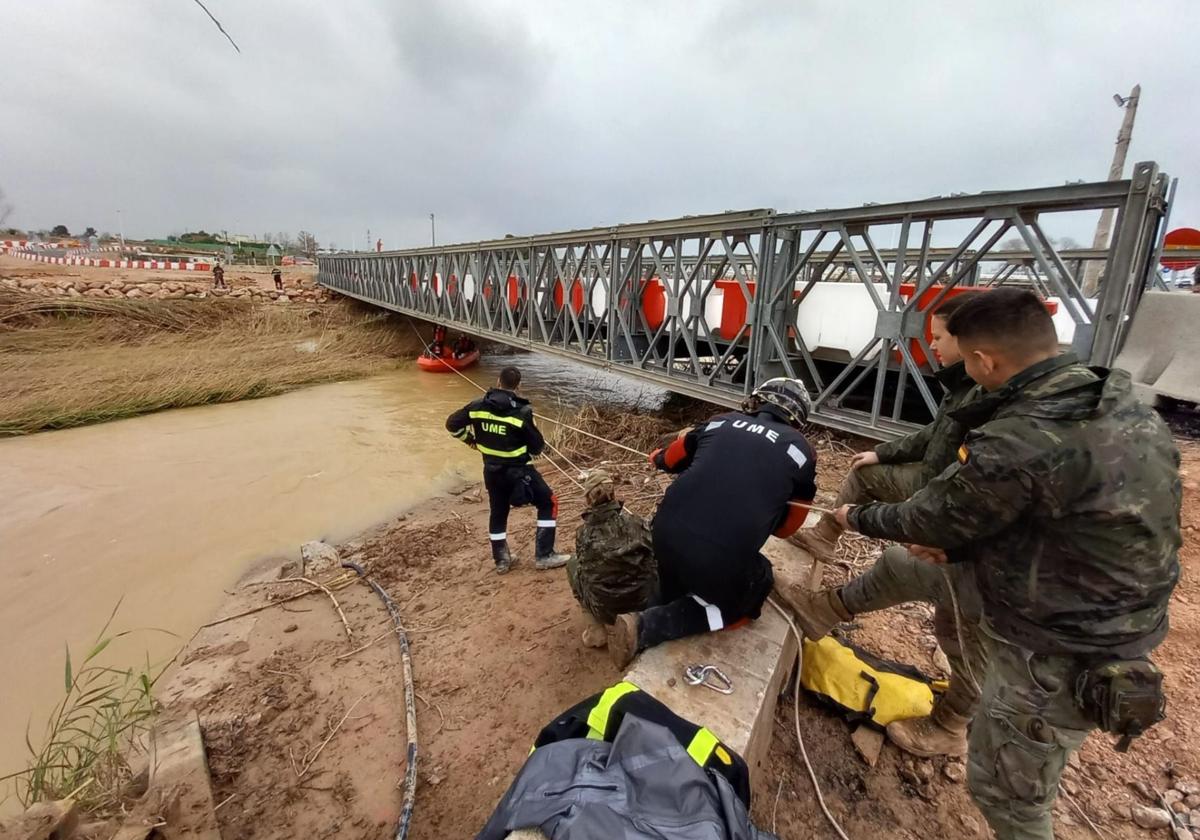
(893, 472)
(613, 569)
(1064, 501)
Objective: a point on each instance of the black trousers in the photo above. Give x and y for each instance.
(509, 487)
(702, 587)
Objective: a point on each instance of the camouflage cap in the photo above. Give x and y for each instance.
(596, 478)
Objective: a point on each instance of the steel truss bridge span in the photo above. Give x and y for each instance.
(711, 305)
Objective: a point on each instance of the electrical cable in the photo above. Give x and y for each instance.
(410, 706)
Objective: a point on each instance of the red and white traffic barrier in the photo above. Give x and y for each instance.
(101, 262)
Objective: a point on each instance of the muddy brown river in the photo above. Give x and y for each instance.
(162, 513)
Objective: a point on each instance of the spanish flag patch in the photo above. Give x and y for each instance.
(963, 454)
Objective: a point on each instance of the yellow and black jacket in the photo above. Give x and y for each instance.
(500, 425)
(599, 718)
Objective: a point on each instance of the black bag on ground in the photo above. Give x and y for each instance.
(599, 718)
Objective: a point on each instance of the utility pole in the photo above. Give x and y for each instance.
(121, 228)
(1091, 277)
(432, 230)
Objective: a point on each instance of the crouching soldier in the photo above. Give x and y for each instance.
(613, 569)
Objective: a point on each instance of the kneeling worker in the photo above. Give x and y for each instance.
(612, 570)
(739, 473)
(500, 426)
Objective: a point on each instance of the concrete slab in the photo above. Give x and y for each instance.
(757, 658)
(179, 787)
(1162, 351)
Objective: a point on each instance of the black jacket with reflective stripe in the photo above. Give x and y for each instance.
(737, 474)
(500, 424)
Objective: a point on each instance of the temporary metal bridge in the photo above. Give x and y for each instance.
(710, 305)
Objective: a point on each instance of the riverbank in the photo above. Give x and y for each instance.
(305, 732)
(73, 361)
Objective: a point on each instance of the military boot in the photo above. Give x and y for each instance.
(594, 635)
(547, 557)
(816, 612)
(504, 561)
(943, 732)
(819, 541)
(623, 640)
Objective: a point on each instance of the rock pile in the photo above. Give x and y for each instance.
(156, 289)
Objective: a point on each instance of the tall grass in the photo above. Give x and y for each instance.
(105, 712)
(69, 362)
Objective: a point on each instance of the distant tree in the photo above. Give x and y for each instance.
(89, 233)
(60, 230)
(307, 243)
(284, 241)
(1067, 244)
(199, 236)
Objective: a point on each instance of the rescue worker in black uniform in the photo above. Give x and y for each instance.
(739, 473)
(500, 426)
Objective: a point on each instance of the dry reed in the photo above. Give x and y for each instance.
(73, 361)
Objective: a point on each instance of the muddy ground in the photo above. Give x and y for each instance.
(496, 658)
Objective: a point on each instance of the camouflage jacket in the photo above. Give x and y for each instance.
(613, 569)
(1065, 496)
(935, 444)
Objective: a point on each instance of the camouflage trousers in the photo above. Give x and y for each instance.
(1027, 727)
(898, 578)
(874, 483)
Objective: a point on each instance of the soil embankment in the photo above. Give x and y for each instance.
(69, 360)
(497, 657)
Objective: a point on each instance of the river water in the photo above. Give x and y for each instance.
(164, 512)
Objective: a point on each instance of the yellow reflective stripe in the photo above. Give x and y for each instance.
(702, 746)
(598, 716)
(593, 735)
(462, 433)
(501, 453)
(487, 415)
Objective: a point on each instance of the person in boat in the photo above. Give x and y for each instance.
(438, 346)
(613, 569)
(738, 474)
(463, 347)
(499, 425)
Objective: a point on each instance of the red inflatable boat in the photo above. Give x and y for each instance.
(446, 363)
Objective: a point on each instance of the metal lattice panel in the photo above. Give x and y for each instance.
(710, 305)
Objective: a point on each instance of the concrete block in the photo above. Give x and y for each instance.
(1162, 350)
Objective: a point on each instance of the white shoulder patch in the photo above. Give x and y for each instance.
(796, 455)
(715, 424)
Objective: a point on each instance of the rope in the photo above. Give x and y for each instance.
(577, 430)
(958, 631)
(410, 706)
(549, 445)
(796, 715)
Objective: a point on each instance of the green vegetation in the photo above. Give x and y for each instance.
(104, 713)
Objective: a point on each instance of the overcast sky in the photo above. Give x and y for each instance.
(526, 117)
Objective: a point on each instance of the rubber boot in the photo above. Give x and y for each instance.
(501, 556)
(819, 541)
(943, 732)
(623, 640)
(547, 558)
(816, 612)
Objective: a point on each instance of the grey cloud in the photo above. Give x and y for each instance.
(506, 117)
